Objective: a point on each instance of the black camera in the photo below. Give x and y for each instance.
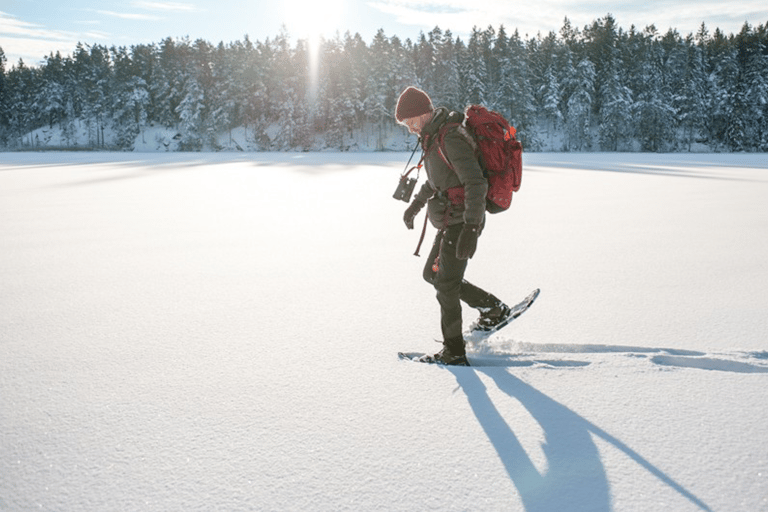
(405, 188)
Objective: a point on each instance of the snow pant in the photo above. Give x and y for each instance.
(445, 272)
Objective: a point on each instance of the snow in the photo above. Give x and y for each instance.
(219, 332)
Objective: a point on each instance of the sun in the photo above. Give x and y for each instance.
(312, 19)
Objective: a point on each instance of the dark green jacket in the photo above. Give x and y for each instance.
(459, 151)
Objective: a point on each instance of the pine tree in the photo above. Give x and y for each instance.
(424, 62)
(167, 80)
(49, 103)
(757, 97)
(22, 83)
(129, 98)
(403, 69)
(652, 112)
(92, 76)
(446, 71)
(378, 101)
(565, 73)
(550, 94)
(477, 72)
(521, 105)
(493, 62)
(613, 99)
(254, 98)
(357, 65)
(599, 41)
(403, 74)
(615, 113)
(282, 97)
(4, 102)
(579, 119)
(690, 98)
(504, 55)
(753, 85)
(190, 112)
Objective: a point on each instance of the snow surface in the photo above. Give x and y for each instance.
(219, 332)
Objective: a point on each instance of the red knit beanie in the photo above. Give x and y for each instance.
(412, 103)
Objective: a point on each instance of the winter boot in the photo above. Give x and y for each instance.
(491, 318)
(453, 353)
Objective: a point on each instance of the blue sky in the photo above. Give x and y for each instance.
(31, 29)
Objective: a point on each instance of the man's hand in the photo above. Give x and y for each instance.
(411, 213)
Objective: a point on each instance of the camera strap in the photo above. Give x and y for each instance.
(407, 171)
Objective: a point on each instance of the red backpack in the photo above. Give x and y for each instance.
(499, 153)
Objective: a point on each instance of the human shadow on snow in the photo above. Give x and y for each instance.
(649, 164)
(516, 354)
(575, 479)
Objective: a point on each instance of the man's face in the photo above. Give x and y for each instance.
(414, 124)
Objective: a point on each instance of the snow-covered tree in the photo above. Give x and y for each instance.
(615, 114)
(690, 91)
(190, 112)
(756, 78)
(550, 100)
(652, 111)
(4, 102)
(476, 78)
(50, 101)
(379, 100)
(648, 90)
(579, 118)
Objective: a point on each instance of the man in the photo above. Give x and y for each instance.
(455, 194)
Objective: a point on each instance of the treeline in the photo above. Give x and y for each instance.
(599, 88)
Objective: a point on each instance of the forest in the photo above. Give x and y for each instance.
(595, 88)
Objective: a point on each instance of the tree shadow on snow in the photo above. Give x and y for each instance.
(575, 479)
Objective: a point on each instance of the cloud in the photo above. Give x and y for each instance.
(165, 6)
(158, 7)
(12, 26)
(544, 16)
(31, 42)
(129, 16)
(460, 17)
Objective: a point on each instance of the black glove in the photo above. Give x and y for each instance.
(411, 213)
(467, 244)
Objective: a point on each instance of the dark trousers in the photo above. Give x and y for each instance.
(450, 285)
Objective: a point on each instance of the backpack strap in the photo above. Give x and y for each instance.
(455, 194)
(441, 142)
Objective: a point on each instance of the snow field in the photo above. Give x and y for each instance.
(207, 331)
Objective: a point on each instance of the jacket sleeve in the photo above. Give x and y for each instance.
(425, 193)
(462, 156)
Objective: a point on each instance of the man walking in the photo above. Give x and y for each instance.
(454, 194)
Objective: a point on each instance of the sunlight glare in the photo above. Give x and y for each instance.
(310, 20)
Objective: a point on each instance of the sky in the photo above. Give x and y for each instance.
(32, 29)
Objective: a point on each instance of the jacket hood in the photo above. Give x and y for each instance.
(440, 117)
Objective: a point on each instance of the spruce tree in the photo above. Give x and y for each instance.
(579, 119)
(4, 102)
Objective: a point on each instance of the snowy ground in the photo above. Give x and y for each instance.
(219, 332)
